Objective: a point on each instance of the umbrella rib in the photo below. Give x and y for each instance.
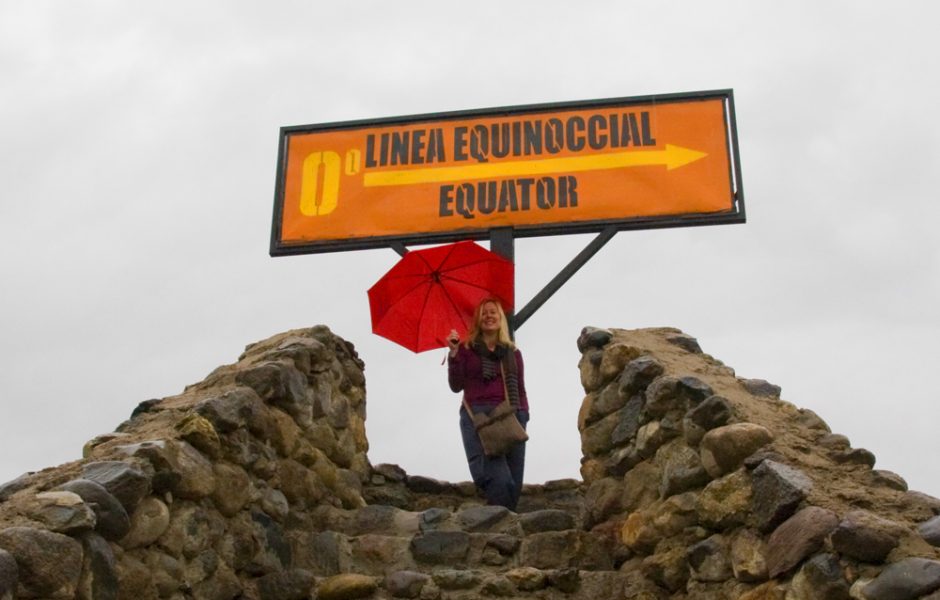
(424, 306)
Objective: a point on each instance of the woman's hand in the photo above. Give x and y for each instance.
(453, 340)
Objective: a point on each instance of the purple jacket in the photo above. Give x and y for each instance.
(465, 373)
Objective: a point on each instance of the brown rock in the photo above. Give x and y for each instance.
(865, 537)
(709, 559)
(347, 586)
(198, 431)
(725, 448)
(232, 490)
(48, 564)
(62, 512)
(747, 556)
(820, 578)
(798, 537)
(726, 502)
(148, 522)
(112, 520)
(669, 569)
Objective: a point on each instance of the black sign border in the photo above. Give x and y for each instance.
(736, 215)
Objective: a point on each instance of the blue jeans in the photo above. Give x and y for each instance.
(499, 478)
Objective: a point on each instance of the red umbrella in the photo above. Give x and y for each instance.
(429, 292)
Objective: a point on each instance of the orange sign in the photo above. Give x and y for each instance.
(636, 162)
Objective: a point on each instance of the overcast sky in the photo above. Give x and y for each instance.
(138, 143)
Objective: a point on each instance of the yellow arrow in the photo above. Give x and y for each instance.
(672, 157)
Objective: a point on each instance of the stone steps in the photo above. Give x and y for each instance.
(438, 540)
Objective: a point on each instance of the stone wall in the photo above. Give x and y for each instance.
(255, 484)
(717, 488)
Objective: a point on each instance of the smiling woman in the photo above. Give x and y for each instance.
(488, 369)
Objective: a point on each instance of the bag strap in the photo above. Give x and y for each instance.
(502, 371)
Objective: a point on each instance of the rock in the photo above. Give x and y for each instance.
(651, 436)
(347, 586)
(111, 519)
(198, 431)
(222, 585)
(778, 491)
(588, 366)
(668, 569)
(48, 564)
(725, 502)
(550, 550)
(662, 396)
(760, 387)
(709, 559)
(566, 581)
(820, 579)
(497, 585)
(686, 342)
(865, 537)
(231, 410)
(713, 412)
(275, 552)
(604, 498)
(638, 374)
(380, 554)
(930, 531)
(798, 537)
(440, 547)
(452, 579)
(292, 584)
(905, 580)
(627, 421)
(8, 576)
(277, 383)
(888, 479)
(406, 584)
(546, 520)
(99, 580)
(426, 485)
(855, 456)
(682, 470)
(15, 485)
(811, 420)
(592, 337)
(616, 465)
(640, 486)
(135, 579)
(596, 439)
(747, 556)
(614, 359)
(123, 481)
(232, 490)
(390, 472)
(724, 449)
(638, 533)
(62, 512)
(147, 523)
(527, 579)
(834, 441)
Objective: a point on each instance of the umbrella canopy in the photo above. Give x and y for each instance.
(429, 292)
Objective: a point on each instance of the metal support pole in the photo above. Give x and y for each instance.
(564, 275)
(398, 247)
(502, 242)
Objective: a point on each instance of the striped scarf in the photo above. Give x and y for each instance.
(491, 361)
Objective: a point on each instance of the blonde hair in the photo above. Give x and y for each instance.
(503, 335)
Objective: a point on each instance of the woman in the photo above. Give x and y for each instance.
(474, 369)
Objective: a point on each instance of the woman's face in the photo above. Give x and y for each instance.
(489, 318)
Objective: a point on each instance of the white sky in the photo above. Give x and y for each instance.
(137, 157)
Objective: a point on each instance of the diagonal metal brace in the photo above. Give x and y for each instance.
(563, 276)
(398, 247)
